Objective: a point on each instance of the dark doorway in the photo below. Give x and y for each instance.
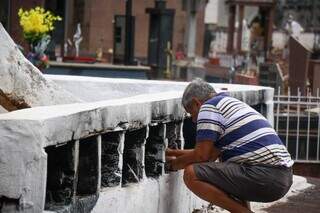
(57, 37)
(119, 38)
(5, 13)
(119, 31)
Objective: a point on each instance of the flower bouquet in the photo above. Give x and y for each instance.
(37, 24)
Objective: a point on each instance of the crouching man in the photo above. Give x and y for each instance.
(254, 164)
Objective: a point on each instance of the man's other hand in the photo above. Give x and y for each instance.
(170, 152)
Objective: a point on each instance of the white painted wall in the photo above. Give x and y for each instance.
(167, 194)
(211, 12)
(217, 13)
(280, 39)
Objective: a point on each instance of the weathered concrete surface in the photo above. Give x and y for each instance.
(168, 194)
(2, 110)
(22, 85)
(62, 123)
(25, 133)
(22, 167)
(92, 89)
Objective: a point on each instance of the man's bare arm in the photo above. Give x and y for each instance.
(177, 152)
(203, 152)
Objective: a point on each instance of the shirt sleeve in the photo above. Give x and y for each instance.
(209, 123)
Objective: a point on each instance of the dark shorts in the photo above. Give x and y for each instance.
(246, 182)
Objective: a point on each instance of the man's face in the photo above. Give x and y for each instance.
(193, 109)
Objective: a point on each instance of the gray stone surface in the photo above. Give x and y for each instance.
(22, 85)
(25, 133)
(2, 110)
(92, 89)
(62, 123)
(126, 104)
(22, 165)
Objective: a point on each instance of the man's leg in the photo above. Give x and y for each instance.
(211, 193)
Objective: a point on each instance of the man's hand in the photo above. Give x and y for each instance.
(168, 163)
(203, 152)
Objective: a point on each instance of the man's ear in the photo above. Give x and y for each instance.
(197, 102)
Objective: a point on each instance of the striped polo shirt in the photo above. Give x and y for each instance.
(241, 134)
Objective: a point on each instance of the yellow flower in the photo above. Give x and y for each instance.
(36, 23)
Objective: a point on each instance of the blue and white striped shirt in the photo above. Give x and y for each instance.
(241, 134)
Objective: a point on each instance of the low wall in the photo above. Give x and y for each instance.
(307, 169)
(104, 155)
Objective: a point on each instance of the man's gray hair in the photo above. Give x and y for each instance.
(199, 89)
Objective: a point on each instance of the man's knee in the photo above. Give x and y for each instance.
(189, 175)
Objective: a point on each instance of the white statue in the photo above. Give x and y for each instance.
(293, 28)
(213, 48)
(246, 34)
(77, 38)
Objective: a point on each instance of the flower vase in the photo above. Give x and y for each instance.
(37, 24)
(37, 54)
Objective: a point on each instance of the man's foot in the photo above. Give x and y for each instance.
(209, 209)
